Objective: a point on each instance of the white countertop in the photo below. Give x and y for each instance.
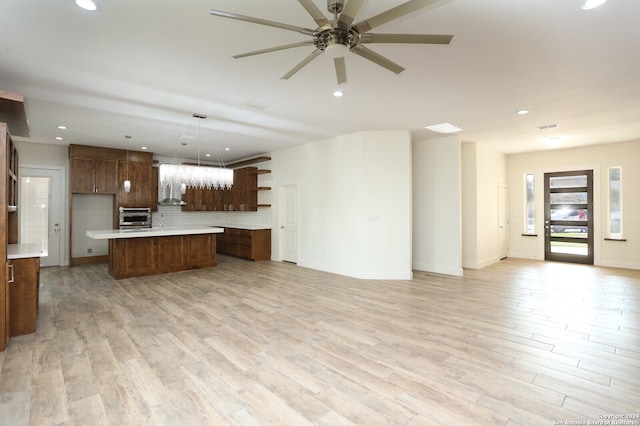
(23, 251)
(248, 227)
(164, 231)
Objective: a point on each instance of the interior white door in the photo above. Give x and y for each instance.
(503, 220)
(290, 227)
(41, 211)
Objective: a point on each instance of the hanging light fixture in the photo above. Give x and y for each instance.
(196, 176)
(127, 182)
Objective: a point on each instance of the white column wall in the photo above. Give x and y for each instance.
(437, 223)
(354, 195)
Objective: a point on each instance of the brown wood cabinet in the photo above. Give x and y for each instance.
(136, 257)
(5, 306)
(24, 295)
(142, 189)
(251, 244)
(12, 192)
(94, 175)
(243, 196)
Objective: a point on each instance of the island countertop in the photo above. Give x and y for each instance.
(163, 231)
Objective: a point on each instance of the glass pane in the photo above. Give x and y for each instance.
(570, 248)
(530, 206)
(567, 213)
(578, 181)
(615, 201)
(34, 213)
(570, 231)
(568, 198)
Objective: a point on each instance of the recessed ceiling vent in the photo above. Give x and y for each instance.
(547, 126)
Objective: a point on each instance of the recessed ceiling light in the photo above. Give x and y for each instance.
(61, 127)
(554, 141)
(592, 4)
(522, 111)
(59, 138)
(338, 93)
(227, 149)
(443, 128)
(90, 5)
(144, 148)
(207, 155)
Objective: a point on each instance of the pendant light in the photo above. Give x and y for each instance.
(127, 182)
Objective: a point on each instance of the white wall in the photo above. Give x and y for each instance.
(437, 223)
(91, 212)
(354, 195)
(599, 158)
(483, 172)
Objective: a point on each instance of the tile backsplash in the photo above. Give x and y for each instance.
(173, 216)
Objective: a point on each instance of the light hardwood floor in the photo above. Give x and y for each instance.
(519, 342)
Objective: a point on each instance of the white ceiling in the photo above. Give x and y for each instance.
(142, 68)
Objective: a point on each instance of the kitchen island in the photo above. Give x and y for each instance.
(150, 251)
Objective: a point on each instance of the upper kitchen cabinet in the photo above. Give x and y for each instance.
(89, 175)
(143, 190)
(93, 170)
(96, 170)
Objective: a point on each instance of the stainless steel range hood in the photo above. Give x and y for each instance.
(171, 200)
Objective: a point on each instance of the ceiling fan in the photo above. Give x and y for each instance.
(337, 37)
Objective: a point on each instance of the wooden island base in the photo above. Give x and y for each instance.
(136, 257)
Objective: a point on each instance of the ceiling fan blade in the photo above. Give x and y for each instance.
(341, 70)
(349, 12)
(302, 63)
(391, 14)
(377, 58)
(260, 21)
(406, 38)
(274, 49)
(315, 13)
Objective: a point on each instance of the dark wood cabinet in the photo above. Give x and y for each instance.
(136, 257)
(243, 196)
(24, 295)
(12, 192)
(4, 269)
(142, 189)
(251, 244)
(201, 251)
(94, 176)
(155, 172)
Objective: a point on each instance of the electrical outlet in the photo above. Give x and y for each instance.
(89, 250)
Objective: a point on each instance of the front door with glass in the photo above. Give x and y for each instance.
(568, 221)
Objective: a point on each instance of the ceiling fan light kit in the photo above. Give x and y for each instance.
(89, 5)
(592, 4)
(338, 36)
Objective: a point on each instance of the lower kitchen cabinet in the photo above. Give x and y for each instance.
(252, 244)
(137, 257)
(24, 294)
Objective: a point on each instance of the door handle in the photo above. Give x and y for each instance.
(13, 277)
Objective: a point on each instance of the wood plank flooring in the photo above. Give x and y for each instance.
(519, 342)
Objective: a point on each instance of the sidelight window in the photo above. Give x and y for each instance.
(615, 202)
(529, 207)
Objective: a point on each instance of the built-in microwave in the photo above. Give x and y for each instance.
(135, 217)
